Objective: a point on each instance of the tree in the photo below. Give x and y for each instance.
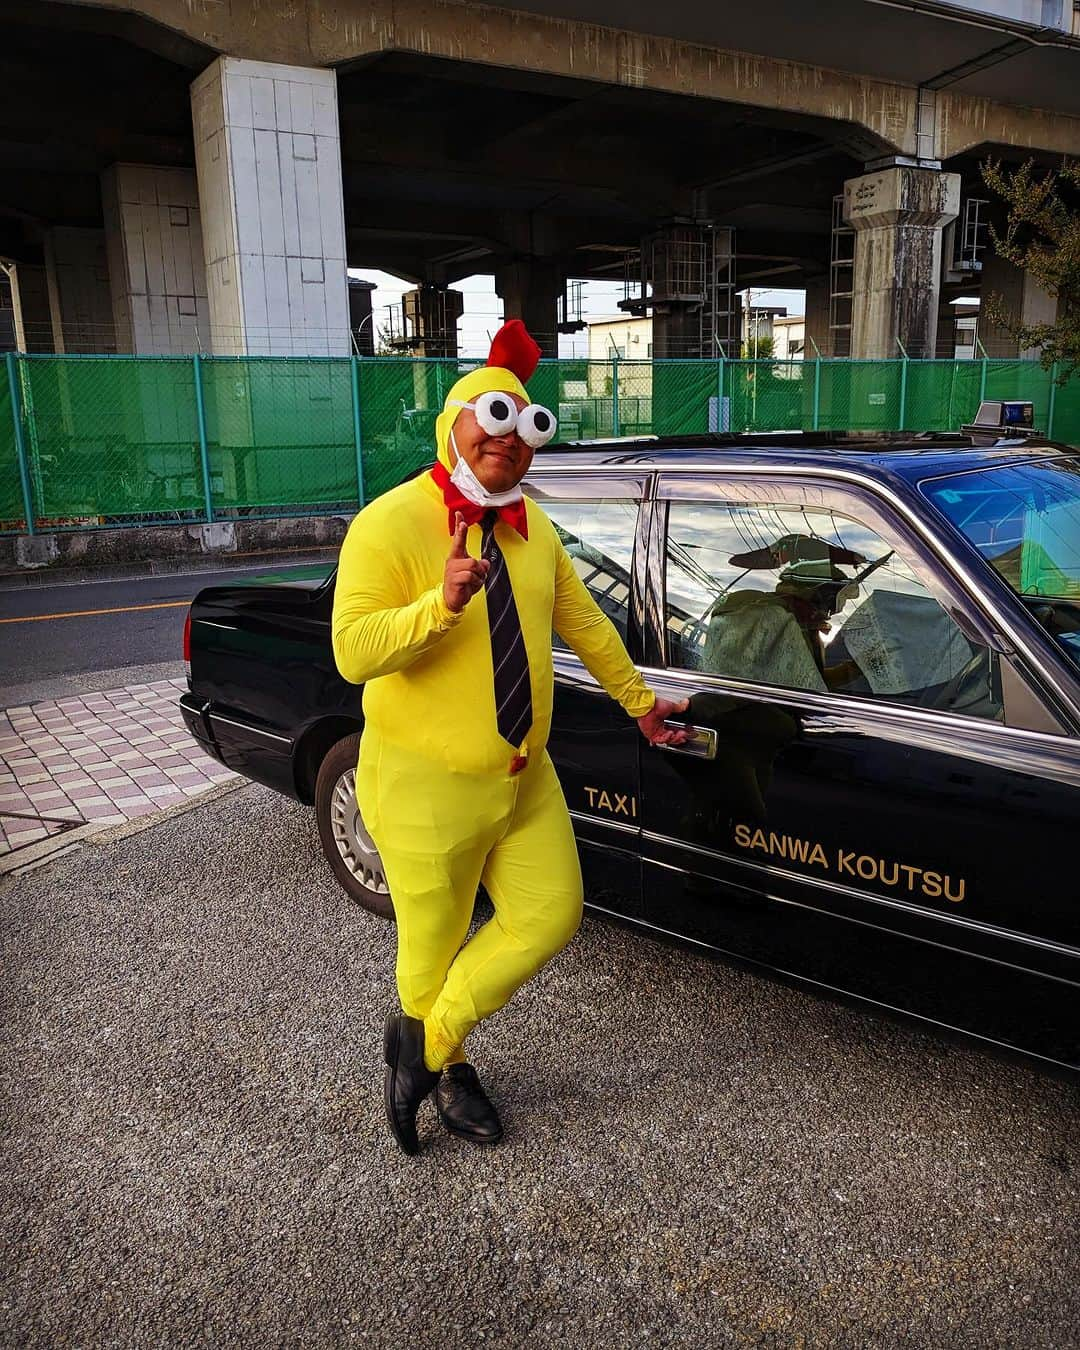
(761, 348)
(1042, 237)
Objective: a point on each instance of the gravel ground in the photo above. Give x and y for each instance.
(695, 1156)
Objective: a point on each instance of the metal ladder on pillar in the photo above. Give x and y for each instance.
(841, 281)
(720, 318)
(689, 267)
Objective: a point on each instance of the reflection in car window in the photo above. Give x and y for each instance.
(809, 598)
(1025, 521)
(599, 536)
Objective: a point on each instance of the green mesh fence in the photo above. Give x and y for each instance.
(121, 440)
(941, 393)
(687, 397)
(769, 395)
(110, 438)
(12, 516)
(399, 401)
(279, 432)
(1066, 421)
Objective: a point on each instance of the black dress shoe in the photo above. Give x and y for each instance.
(408, 1079)
(464, 1107)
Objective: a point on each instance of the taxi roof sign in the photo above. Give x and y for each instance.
(1015, 416)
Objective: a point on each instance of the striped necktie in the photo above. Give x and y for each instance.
(513, 696)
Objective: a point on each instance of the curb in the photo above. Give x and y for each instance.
(181, 564)
(33, 856)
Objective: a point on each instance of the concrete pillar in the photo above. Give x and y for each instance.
(676, 332)
(898, 214)
(268, 159)
(817, 317)
(1021, 296)
(34, 298)
(153, 239)
(77, 277)
(530, 289)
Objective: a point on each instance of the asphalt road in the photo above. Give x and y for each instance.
(57, 630)
(695, 1156)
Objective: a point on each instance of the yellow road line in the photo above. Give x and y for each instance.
(78, 613)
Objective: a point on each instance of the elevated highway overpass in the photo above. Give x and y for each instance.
(177, 173)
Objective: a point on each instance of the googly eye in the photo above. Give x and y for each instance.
(496, 413)
(536, 425)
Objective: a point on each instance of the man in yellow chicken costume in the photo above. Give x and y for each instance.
(448, 588)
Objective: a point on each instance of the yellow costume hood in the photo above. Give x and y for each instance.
(513, 359)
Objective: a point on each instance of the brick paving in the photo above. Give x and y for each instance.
(109, 756)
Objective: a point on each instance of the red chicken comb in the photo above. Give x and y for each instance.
(513, 349)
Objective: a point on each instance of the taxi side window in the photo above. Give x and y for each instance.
(599, 536)
(810, 598)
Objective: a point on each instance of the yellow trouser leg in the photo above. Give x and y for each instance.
(433, 904)
(434, 832)
(534, 879)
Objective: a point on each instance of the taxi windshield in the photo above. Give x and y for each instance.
(1025, 521)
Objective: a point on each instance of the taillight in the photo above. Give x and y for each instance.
(187, 643)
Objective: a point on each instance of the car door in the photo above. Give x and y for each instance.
(875, 797)
(593, 744)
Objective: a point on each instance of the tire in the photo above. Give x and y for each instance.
(347, 846)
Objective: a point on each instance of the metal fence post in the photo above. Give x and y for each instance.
(615, 394)
(1053, 401)
(200, 417)
(722, 423)
(817, 392)
(358, 439)
(20, 440)
(903, 393)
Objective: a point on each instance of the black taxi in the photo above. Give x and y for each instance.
(880, 641)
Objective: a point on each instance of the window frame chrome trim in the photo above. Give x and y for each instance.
(857, 703)
(619, 825)
(823, 703)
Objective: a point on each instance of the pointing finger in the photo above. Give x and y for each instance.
(458, 549)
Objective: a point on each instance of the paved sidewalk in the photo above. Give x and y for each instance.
(109, 757)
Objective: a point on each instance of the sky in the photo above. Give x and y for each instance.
(483, 308)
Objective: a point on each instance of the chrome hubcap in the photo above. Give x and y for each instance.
(356, 846)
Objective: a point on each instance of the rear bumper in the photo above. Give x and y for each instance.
(254, 751)
(195, 714)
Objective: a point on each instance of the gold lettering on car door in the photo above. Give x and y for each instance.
(850, 863)
(614, 803)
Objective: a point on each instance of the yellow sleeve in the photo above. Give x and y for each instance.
(587, 630)
(376, 629)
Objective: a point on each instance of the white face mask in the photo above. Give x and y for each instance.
(471, 487)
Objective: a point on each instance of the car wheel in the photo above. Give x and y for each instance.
(348, 847)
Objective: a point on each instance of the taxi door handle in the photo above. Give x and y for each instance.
(700, 741)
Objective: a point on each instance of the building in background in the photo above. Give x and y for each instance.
(789, 337)
(361, 318)
(627, 337)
